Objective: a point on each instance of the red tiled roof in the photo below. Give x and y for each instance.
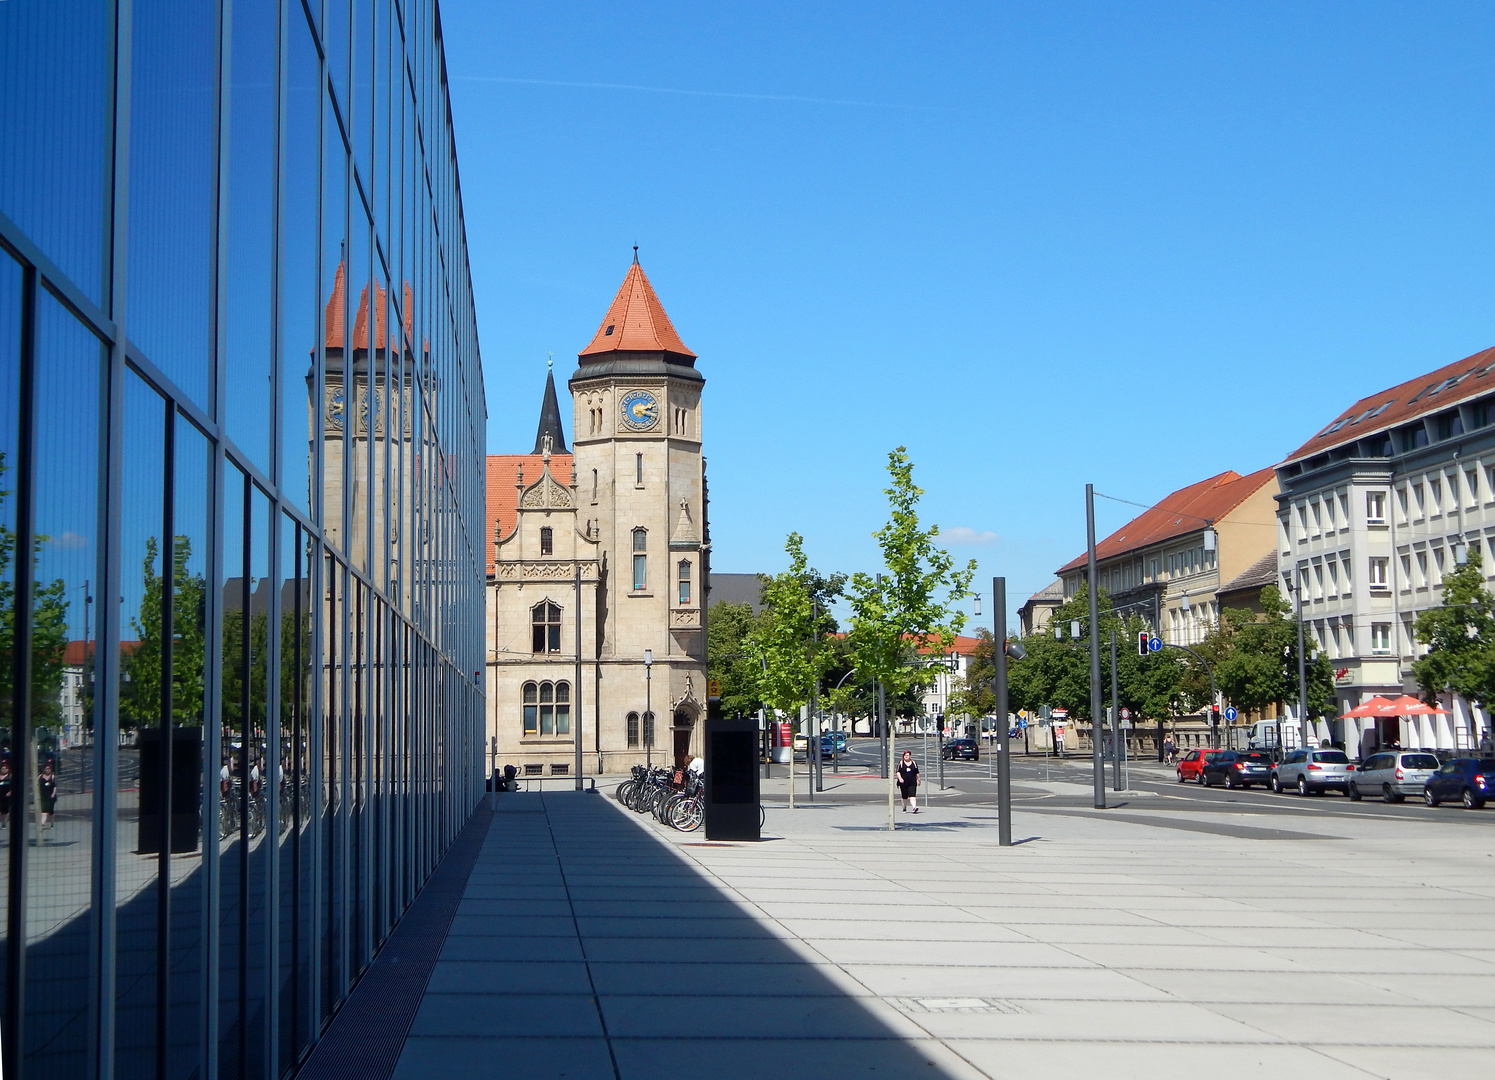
(1406, 401)
(962, 644)
(335, 315)
(74, 652)
(1185, 511)
(636, 321)
(503, 492)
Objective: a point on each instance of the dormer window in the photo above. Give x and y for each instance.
(609, 331)
(547, 541)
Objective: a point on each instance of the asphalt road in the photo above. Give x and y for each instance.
(1044, 785)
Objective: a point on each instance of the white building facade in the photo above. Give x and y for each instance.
(1373, 511)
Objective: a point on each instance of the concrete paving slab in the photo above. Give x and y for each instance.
(532, 1058)
(506, 1015)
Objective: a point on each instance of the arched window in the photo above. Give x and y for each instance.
(648, 729)
(684, 580)
(547, 708)
(640, 560)
(633, 729)
(545, 618)
(547, 541)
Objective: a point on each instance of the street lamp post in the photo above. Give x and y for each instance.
(648, 708)
(1295, 587)
(1098, 775)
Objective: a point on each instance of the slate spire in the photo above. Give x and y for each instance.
(550, 420)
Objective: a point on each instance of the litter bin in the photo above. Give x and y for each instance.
(732, 799)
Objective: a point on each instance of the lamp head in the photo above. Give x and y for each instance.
(648, 658)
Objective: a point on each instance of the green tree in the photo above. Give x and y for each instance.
(729, 659)
(140, 695)
(49, 608)
(791, 638)
(911, 609)
(1460, 635)
(1257, 663)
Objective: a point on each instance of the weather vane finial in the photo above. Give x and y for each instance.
(550, 361)
(635, 254)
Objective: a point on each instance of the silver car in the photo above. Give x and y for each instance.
(1393, 775)
(1313, 771)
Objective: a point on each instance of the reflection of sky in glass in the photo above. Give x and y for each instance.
(249, 297)
(54, 101)
(68, 376)
(302, 304)
(171, 189)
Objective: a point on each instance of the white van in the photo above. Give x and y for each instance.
(1263, 735)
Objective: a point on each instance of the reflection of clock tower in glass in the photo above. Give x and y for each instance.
(641, 484)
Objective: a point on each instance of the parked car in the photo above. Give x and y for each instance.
(1393, 775)
(1237, 769)
(1469, 780)
(962, 749)
(801, 741)
(829, 747)
(1191, 765)
(837, 737)
(1313, 772)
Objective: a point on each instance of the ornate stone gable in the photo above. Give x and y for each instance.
(547, 493)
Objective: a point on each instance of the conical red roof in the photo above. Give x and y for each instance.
(636, 321)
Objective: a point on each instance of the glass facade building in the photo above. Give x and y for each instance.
(241, 516)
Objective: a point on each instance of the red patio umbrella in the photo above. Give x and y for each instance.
(1407, 705)
(1376, 706)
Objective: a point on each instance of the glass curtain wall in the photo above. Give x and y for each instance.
(241, 464)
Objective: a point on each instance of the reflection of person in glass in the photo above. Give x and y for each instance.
(46, 791)
(7, 783)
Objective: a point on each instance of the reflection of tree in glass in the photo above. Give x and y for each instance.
(49, 635)
(140, 696)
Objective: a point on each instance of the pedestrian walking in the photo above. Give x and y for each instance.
(908, 782)
(46, 785)
(7, 785)
(1170, 751)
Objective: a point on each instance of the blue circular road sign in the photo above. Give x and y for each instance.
(1230, 713)
(1154, 644)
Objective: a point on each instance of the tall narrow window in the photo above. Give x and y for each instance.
(594, 487)
(640, 560)
(684, 582)
(633, 729)
(638, 468)
(547, 541)
(545, 618)
(563, 708)
(531, 708)
(648, 729)
(547, 709)
(1375, 507)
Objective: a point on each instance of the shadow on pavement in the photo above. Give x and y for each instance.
(584, 948)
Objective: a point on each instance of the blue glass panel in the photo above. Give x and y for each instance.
(300, 302)
(58, 815)
(140, 729)
(250, 259)
(55, 101)
(173, 144)
(194, 775)
(238, 811)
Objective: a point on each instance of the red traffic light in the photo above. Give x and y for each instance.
(1142, 639)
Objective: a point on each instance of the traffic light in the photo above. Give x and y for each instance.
(940, 720)
(1142, 637)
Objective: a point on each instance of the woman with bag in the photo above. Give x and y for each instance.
(908, 782)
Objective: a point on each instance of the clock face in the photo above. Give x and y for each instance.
(335, 406)
(639, 410)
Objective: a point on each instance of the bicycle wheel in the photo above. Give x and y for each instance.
(689, 814)
(625, 791)
(228, 818)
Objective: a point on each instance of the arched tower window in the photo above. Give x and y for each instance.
(547, 708)
(547, 541)
(633, 729)
(684, 580)
(640, 560)
(545, 618)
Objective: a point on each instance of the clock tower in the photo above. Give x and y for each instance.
(641, 493)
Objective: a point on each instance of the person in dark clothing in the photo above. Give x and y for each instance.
(908, 782)
(46, 785)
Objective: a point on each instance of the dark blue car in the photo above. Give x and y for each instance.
(1467, 780)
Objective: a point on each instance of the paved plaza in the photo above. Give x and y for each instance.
(591, 943)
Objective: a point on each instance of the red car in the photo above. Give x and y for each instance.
(1191, 765)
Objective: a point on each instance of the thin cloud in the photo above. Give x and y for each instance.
(960, 536)
(688, 93)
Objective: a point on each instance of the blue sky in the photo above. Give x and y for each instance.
(1039, 244)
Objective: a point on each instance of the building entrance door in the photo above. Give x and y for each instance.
(682, 747)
